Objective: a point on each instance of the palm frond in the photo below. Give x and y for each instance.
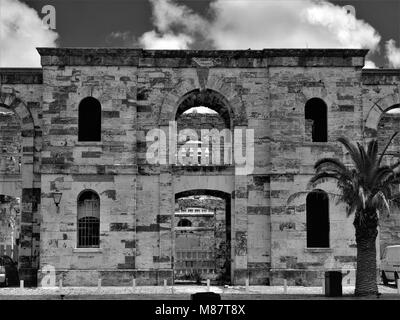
(372, 149)
(352, 150)
(318, 177)
(330, 162)
(297, 195)
(366, 187)
(362, 196)
(386, 147)
(383, 200)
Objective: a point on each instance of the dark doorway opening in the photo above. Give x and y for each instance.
(317, 215)
(202, 250)
(89, 121)
(316, 114)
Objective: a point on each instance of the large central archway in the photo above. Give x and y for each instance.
(207, 180)
(10, 182)
(28, 166)
(389, 123)
(202, 236)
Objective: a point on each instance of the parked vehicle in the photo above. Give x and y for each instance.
(8, 272)
(390, 264)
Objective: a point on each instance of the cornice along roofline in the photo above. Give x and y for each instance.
(202, 58)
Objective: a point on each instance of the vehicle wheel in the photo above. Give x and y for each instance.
(396, 277)
(384, 279)
(6, 282)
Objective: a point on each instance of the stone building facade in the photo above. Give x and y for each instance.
(297, 102)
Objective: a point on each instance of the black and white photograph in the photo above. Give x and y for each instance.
(187, 152)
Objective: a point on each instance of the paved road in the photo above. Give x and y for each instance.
(183, 293)
(187, 297)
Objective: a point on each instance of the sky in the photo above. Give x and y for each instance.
(200, 24)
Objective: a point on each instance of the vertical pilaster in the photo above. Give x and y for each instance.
(239, 230)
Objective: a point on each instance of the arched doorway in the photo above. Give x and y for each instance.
(29, 183)
(201, 225)
(316, 116)
(10, 182)
(204, 124)
(202, 233)
(317, 219)
(388, 124)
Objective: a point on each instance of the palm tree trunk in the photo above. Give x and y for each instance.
(366, 273)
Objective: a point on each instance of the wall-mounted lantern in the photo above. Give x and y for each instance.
(57, 199)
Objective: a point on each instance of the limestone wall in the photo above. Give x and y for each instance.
(10, 143)
(21, 92)
(141, 90)
(390, 222)
(71, 166)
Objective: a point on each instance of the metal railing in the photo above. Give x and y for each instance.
(191, 261)
(200, 157)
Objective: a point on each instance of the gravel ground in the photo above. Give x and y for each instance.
(178, 290)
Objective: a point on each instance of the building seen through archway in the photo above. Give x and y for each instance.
(201, 248)
(10, 182)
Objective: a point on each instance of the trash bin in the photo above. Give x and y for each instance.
(205, 296)
(333, 284)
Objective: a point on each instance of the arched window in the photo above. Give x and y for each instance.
(184, 223)
(89, 122)
(88, 220)
(317, 215)
(208, 116)
(317, 119)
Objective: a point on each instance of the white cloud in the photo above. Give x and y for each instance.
(167, 41)
(126, 35)
(122, 39)
(342, 29)
(167, 14)
(176, 26)
(392, 53)
(288, 24)
(369, 65)
(21, 31)
(263, 24)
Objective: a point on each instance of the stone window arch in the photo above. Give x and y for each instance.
(89, 120)
(317, 219)
(184, 223)
(316, 116)
(88, 219)
(207, 99)
(199, 112)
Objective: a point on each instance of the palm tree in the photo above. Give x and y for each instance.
(367, 188)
